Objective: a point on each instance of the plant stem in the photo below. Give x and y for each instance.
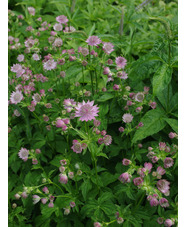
(92, 83)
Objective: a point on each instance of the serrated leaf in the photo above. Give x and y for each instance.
(85, 188)
(103, 155)
(105, 97)
(153, 122)
(173, 123)
(161, 78)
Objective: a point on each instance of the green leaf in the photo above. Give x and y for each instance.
(105, 97)
(173, 123)
(103, 155)
(161, 78)
(86, 187)
(153, 122)
(92, 30)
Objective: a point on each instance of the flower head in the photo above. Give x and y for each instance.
(31, 10)
(86, 111)
(139, 97)
(57, 27)
(93, 40)
(77, 148)
(50, 64)
(62, 19)
(108, 48)
(121, 62)
(125, 177)
(163, 186)
(168, 162)
(107, 140)
(20, 57)
(23, 154)
(36, 199)
(16, 97)
(127, 118)
(138, 181)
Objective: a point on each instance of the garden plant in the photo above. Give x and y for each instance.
(93, 113)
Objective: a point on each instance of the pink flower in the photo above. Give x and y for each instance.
(36, 199)
(153, 201)
(72, 204)
(96, 123)
(107, 140)
(127, 118)
(58, 42)
(116, 87)
(49, 65)
(36, 97)
(45, 190)
(148, 166)
(103, 132)
(160, 171)
(57, 27)
(160, 220)
(93, 40)
(63, 179)
(20, 57)
(163, 186)
(172, 135)
(106, 70)
(77, 148)
(162, 146)
(63, 162)
(108, 48)
(154, 159)
(86, 111)
(51, 204)
(17, 196)
(59, 123)
(62, 19)
(120, 220)
(97, 224)
(121, 62)
(138, 181)
(100, 140)
(31, 10)
(71, 175)
(23, 154)
(84, 51)
(126, 162)
(152, 105)
(15, 68)
(34, 161)
(36, 57)
(110, 62)
(168, 162)
(121, 129)
(139, 97)
(125, 177)
(44, 200)
(164, 202)
(168, 223)
(24, 195)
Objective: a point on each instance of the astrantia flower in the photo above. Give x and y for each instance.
(36, 57)
(63, 179)
(77, 148)
(168, 162)
(36, 97)
(86, 111)
(163, 186)
(58, 42)
(57, 27)
(138, 181)
(62, 19)
(20, 57)
(50, 64)
(97, 224)
(36, 199)
(125, 177)
(127, 118)
(93, 40)
(121, 62)
(16, 97)
(23, 154)
(31, 10)
(164, 202)
(139, 97)
(16, 67)
(168, 223)
(108, 48)
(107, 140)
(84, 51)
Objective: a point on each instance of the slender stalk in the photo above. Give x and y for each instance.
(169, 57)
(96, 80)
(92, 83)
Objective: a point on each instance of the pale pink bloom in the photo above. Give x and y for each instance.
(51, 204)
(108, 47)
(63, 179)
(69, 29)
(100, 140)
(164, 202)
(146, 89)
(23, 154)
(31, 10)
(126, 162)
(66, 211)
(36, 97)
(96, 123)
(77, 148)
(97, 224)
(162, 146)
(139, 97)
(127, 118)
(59, 123)
(152, 105)
(138, 181)
(116, 87)
(172, 135)
(62, 19)
(34, 161)
(122, 75)
(62, 169)
(86, 111)
(148, 166)
(84, 51)
(38, 151)
(121, 62)
(24, 195)
(125, 177)
(121, 129)
(110, 62)
(63, 162)
(154, 159)
(71, 175)
(153, 201)
(57, 27)
(16, 113)
(72, 204)
(168, 223)
(103, 132)
(17, 196)
(163, 186)
(49, 65)
(160, 220)
(20, 57)
(36, 57)
(16, 97)
(107, 140)
(45, 190)
(160, 171)
(93, 40)
(16, 67)
(58, 42)
(168, 162)
(36, 199)
(106, 70)
(44, 200)
(120, 220)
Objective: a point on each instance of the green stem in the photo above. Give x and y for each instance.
(92, 83)
(96, 80)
